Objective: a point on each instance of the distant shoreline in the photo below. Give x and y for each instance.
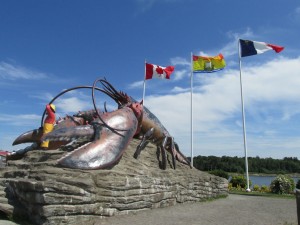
(267, 174)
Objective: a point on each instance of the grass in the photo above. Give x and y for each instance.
(214, 198)
(263, 194)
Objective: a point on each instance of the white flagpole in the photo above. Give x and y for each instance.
(192, 153)
(244, 123)
(144, 84)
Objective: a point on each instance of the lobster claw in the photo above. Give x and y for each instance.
(29, 136)
(82, 133)
(37, 134)
(103, 147)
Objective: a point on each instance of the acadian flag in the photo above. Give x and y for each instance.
(249, 48)
(158, 71)
(204, 64)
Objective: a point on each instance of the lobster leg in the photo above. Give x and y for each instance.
(145, 140)
(163, 162)
(180, 156)
(164, 153)
(173, 152)
(169, 143)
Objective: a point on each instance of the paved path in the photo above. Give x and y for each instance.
(233, 210)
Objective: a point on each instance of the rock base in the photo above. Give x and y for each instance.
(37, 190)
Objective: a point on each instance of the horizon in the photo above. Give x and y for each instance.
(49, 46)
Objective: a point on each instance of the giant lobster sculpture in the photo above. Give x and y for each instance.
(102, 137)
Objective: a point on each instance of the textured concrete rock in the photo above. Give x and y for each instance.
(38, 190)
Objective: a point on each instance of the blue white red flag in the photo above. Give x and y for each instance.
(249, 48)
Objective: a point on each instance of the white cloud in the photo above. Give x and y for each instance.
(73, 101)
(177, 89)
(13, 71)
(76, 101)
(274, 81)
(180, 61)
(72, 104)
(271, 95)
(19, 120)
(180, 74)
(138, 84)
(43, 96)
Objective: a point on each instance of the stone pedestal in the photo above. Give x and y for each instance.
(37, 190)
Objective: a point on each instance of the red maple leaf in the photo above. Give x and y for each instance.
(159, 70)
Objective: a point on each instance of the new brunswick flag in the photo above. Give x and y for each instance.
(207, 64)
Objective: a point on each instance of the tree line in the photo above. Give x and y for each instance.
(255, 164)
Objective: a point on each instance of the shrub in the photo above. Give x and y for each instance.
(238, 188)
(220, 173)
(256, 187)
(239, 180)
(282, 184)
(264, 188)
(298, 184)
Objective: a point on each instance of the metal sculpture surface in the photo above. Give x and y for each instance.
(102, 137)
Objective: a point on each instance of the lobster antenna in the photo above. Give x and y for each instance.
(100, 118)
(109, 88)
(75, 88)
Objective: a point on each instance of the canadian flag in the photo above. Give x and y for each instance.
(158, 71)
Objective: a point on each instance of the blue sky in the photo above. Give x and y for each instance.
(48, 46)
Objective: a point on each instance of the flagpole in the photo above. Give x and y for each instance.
(192, 153)
(144, 88)
(244, 123)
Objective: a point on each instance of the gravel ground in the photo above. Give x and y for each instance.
(233, 210)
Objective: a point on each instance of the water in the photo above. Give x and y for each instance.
(265, 180)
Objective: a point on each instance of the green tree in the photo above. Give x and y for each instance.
(256, 164)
